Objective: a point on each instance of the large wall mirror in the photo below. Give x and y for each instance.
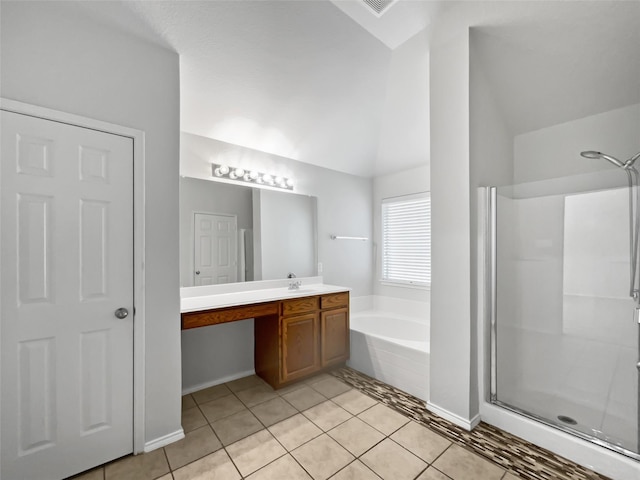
(232, 233)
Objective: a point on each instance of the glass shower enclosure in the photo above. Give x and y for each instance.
(564, 338)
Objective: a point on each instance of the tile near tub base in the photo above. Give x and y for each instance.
(383, 419)
(392, 462)
(460, 464)
(354, 402)
(421, 441)
(520, 458)
(356, 436)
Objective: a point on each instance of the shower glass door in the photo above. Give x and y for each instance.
(565, 341)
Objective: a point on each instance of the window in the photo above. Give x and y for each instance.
(406, 240)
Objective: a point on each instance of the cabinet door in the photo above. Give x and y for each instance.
(335, 336)
(299, 346)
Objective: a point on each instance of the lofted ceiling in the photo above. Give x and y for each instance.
(584, 59)
(328, 83)
(299, 79)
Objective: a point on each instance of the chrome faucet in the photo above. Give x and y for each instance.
(295, 285)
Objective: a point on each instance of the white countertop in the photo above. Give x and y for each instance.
(201, 298)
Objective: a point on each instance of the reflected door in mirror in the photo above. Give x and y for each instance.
(215, 252)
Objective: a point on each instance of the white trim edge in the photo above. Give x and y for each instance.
(454, 418)
(163, 441)
(218, 381)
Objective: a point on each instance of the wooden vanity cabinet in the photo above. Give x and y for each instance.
(299, 346)
(334, 325)
(294, 338)
(310, 334)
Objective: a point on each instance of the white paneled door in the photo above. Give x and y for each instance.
(67, 268)
(215, 249)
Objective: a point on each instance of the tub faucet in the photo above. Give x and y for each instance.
(295, 285)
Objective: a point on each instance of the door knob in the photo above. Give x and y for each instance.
(121, 313)
(197, 272)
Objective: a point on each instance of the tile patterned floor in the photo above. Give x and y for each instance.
(342, 426)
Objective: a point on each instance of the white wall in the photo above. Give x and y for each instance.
(407, 182)
(404, 127)
(53, 56)
(451, 359)
(344, 206)
(202, 196)
(555, 151)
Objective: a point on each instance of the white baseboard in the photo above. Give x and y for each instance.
(217, 381)
(163, 441)
(467, 424)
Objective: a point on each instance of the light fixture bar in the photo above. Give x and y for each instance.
(251, 176)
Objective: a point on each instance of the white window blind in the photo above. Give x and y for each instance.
(406, 240)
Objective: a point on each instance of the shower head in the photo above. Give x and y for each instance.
(597, 155)
(632, 160)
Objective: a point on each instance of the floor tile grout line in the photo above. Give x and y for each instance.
(385, 436)
(166, 457)
(487, 441)
(222, 446)
(357, 459)
(287, 452)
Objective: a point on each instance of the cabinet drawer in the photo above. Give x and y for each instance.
(299, 305)
(334, 300)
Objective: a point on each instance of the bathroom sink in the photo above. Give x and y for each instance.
(305, 290)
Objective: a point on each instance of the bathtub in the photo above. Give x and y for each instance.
(390, 342)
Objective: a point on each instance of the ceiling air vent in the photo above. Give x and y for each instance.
(378, 6)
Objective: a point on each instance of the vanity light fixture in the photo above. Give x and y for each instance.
(252, 176)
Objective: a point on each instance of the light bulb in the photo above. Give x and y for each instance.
(279, 180)
(239, 172)
(267, 179)
(254, 175)
(217, 172)
(289, 182)
(223, 169)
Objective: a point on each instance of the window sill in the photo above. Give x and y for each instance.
(404, 285)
